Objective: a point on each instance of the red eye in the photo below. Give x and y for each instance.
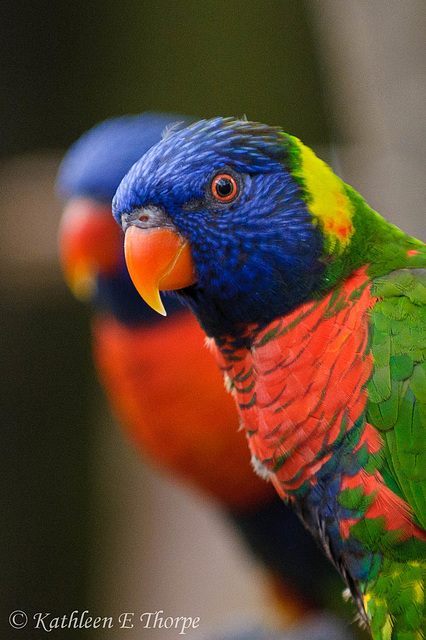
(224, 187)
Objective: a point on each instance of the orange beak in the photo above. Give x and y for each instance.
(158, 260)
(90, 242)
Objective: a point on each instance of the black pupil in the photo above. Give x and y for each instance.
(224, 187)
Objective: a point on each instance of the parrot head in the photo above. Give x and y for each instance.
(239, 217)
(90, 243)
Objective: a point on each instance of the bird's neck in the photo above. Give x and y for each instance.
(375, 243)
(354, 235)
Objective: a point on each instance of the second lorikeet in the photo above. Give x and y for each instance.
(316, 310)
(163, 385)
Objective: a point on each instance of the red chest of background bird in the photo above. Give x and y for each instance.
(168, 393)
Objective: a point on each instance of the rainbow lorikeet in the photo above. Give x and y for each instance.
(316, 310)
(174, 408)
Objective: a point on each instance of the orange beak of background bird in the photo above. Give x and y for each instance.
(158, 260)
(90, 243)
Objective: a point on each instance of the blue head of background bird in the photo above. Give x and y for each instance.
(91, 245)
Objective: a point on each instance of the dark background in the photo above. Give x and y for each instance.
(68, 65)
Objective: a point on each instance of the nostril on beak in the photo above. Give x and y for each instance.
(145, 217)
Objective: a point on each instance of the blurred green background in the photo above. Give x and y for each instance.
(330, 71)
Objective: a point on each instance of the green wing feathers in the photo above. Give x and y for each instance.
(397, 389)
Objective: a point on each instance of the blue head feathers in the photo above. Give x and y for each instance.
(256, 255)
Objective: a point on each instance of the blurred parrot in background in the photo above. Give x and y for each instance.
(316, 310)
(161, 381)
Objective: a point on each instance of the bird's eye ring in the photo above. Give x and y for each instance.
(224, 187)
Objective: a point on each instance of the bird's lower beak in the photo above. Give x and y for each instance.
(158, 260)
(90, 243)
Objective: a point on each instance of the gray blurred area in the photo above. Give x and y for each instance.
(86, 524)
(374, 56)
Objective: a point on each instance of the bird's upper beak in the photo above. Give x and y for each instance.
(158, 257)
(90, 243)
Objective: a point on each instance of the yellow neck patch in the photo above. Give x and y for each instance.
(326, 197)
